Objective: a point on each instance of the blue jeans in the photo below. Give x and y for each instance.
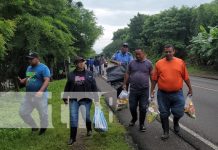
(141, 99)
(29, 104)
(171, 103)
(74, 111)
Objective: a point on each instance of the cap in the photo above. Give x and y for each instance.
(32, 55)
(126, 44)
(78, 59)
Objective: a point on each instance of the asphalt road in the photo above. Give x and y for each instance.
(205, 98)
(205, 126)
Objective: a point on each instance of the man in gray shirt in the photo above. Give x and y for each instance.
(137, 76)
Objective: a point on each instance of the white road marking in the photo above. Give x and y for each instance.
(205, 141)
(205, 88)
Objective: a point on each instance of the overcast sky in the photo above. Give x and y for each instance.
(116, 14)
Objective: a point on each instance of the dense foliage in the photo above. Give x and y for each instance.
(192, 31)
(56, 29)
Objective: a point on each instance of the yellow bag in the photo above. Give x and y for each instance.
(152, 112)
(189, 107)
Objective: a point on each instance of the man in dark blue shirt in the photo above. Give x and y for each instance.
(36, 81)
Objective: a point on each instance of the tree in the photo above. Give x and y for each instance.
(171, 26)
(136, 38)
(7, 28)
(56, 29)
(204, 47)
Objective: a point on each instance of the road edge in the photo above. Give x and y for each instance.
(205, 76)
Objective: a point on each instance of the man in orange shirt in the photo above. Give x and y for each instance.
(169, 74)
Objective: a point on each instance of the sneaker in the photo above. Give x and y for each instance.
(142, 128)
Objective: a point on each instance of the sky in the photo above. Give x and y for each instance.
(116, 14)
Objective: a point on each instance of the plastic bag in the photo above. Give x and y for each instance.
(189, 107)
(124, 95)
(122, 101)
(99, 121)
(152, 112)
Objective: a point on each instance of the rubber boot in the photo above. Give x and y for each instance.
(165, 126)
(42, 131)
(89, 128)
(73, 133)
(176, 125)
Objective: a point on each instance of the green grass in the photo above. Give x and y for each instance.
(56, 138)
(113, 139)
(198, 70)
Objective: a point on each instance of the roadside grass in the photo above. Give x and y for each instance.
(111, 140)
(202, 70)
(56, 138)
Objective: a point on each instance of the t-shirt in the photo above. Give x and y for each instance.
(139, 73)
(170, 74)
(35, 77)
(91, 62)
(79, 85)
(87, 62)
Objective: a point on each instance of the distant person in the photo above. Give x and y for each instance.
(97, 65)
(106, 63)
(102, 62)
(169, 74)
(138, 74)
(123, 56)
(88, 64)
(91, 64)
(36, 81)
(79, 80)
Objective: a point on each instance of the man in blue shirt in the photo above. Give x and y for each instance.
(36, 81)
(123, 56)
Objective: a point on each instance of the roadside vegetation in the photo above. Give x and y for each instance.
(56, 138)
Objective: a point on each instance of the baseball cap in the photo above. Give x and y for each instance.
(32, 55)
(78, 59)
(126, 44)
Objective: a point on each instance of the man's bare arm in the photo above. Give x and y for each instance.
(188, 83)
(45, 84)
(153, 84)
(126, 79)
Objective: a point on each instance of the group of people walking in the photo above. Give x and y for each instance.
(96, 65)
(168, 73)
